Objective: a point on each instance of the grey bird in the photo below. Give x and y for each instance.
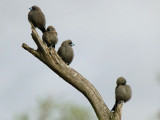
(123, 92)
(66, 51)
(37, 18)
(50, 37)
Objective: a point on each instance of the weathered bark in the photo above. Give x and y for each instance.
(116, 115)
(55, 63)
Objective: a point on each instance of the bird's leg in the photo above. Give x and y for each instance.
(45, 43)
(120, 101)
(53, 46)
(51, 49)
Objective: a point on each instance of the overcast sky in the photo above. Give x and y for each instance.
(112, 39)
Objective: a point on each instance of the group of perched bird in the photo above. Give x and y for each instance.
(37, 18)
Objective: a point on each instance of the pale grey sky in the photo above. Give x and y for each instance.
(113, 38)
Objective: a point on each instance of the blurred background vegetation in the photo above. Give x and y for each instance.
(51, 109)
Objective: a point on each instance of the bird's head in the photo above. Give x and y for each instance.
(121, 81)
(68, 43)
(34, 8)
(51, 28)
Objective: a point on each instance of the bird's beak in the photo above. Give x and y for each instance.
(72, 44)
(30, 9)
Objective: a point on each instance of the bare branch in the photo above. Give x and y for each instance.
(119, 110)
(55, 63)
(37, 39)
(31, 50)
(116, 115)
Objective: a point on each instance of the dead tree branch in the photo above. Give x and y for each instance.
(55, 63)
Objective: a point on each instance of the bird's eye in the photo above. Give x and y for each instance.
(33, 8)
(50, 29)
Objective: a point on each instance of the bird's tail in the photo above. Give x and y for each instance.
(115, 105)
(53, 46)
(43, 29)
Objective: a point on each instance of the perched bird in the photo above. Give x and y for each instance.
(50, 37)
(66, 51)
(122, 92)
(37, 18)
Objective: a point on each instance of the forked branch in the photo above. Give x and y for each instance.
(55, 63)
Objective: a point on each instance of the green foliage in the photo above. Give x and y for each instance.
(49, 109)
(22, 117)
(158, 115)
(74, 112)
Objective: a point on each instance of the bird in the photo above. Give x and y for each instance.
(50, 37)
(37, 18)
(66, 52)
(123, 92)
